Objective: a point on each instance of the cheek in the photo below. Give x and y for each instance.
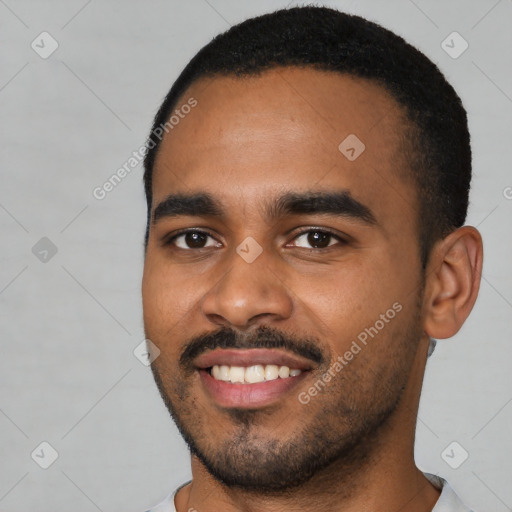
(170, 302)
(167, 296)
(348, 299)
(154, 299)
(160, 318)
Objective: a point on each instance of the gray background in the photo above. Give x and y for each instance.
(70, 323)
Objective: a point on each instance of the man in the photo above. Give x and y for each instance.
(307, 181)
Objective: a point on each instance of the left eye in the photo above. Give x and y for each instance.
(317, 239)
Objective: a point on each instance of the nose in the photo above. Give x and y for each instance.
(247, 294)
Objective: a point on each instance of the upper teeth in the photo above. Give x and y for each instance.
(252, 374)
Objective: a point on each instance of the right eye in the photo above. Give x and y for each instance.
(191, 239)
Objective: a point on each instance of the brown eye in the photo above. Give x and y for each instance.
(316, 239)
(195, 240)
(189, 240)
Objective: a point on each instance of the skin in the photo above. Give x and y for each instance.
(245, 143)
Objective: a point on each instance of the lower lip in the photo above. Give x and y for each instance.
(249, 396)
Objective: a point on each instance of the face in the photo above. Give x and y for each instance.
(282, 280)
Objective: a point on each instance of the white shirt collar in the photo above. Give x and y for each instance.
(448, 501)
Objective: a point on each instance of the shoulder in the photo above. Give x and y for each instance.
(167, 504)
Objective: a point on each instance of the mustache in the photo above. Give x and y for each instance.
(263, 337)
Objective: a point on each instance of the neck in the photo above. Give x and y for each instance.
(387, 479)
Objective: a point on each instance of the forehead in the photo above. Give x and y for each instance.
(288, 128)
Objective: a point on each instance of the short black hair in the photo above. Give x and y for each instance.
(329, 40)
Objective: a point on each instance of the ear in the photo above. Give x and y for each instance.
(452, 281)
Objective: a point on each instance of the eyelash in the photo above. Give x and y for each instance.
(341, 241)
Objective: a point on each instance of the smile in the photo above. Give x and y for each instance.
(252, 374)
(250, 378)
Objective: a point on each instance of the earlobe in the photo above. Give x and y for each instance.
(452, 281)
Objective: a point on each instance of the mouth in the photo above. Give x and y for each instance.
(252, 374)
(252, 378)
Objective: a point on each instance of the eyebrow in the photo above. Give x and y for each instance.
(339, 203)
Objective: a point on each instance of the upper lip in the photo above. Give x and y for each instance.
(251, 357)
